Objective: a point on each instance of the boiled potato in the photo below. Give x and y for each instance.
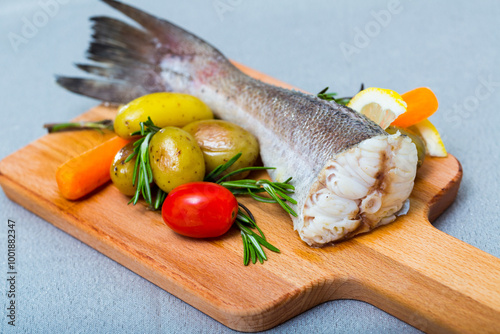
(221, 140)
(165, 109)
(122, 172)
(175, 158)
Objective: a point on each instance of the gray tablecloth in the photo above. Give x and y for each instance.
(64, 286)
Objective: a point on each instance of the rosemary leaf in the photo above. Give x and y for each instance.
(257, 246)
(211, 177)
(266, 244)
(286, 197)
(261, 198)
(332, 96)
(241, 170)
(248, 212)
(238, 184)
(252, 251)
(246, 251)
(106, 124)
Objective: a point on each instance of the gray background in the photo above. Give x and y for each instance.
(452, 47)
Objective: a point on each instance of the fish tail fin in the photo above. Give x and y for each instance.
(158, 56)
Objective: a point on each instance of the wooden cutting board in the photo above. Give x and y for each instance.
(408, 268)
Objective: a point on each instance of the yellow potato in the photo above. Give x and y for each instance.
(175, 158)
(221, 140)
(165, 109)
(122, 172)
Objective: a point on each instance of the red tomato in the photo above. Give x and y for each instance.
(200, 210)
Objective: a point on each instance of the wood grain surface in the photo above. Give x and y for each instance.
(408, 268)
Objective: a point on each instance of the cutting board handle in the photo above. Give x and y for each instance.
(436, 283)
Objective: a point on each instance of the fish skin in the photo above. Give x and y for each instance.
(298, 133)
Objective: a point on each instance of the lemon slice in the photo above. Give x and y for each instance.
(380, 105)
(433, 143)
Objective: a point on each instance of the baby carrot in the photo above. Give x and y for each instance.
(421, 103)
(82, 174)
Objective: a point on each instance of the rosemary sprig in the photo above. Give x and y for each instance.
(106, 124)
(332, 96)
(143, 174)
(279, 192)
(252, 242)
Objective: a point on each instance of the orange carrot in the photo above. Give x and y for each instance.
(421, 103)
(82, 174)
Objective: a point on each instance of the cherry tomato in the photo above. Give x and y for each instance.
(200, 209)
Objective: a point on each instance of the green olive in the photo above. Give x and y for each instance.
(165, 109)
(175, 158)
(415, 138)
(122, 172)
(221, 140)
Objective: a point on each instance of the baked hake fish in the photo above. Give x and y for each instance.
(350, 175)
